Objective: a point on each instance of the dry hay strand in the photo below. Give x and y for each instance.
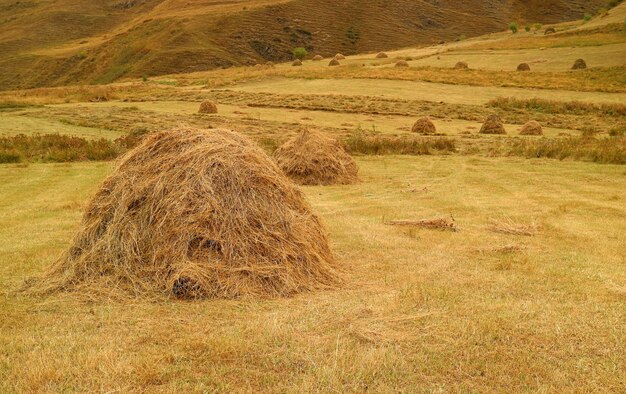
(550, 30)
(339, 56)
(523, 67)
(195, 214)
(424, 126)
(510, 226)
(317, 58)
(402, 63)
(334, 62)
(531, 128)
(431, 224)
(296, 63)
(461, 66)
(311, 158)
(493, 125)
(207, 107)
(579, 64)
(381, 55)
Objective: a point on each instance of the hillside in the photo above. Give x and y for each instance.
(44, 43)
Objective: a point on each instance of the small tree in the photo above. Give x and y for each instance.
(513, 27)
(300, 53)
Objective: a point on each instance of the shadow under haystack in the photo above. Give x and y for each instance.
(195, 213)
(311, 158)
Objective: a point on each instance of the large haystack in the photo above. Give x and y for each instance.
(339, 56)
(207, 107)
(424, 126)
(579, 64)
(195, 213)
(531, 128)
(381, 55)
(312, 158)
(317, 58)
(402, 63)
(297, 63)
(334, 62)
(461, 66)
(523, 67)
(493, 125)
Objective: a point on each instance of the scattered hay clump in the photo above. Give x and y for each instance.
(523, 67)
(195, 214)
(424, 126)
(532, 128)
(381, 55)
(312, 158)
(461, 66)
(207, 107)
(334, 62)
(317, 58)
(402, 63)
(579, 64)
(493, 125)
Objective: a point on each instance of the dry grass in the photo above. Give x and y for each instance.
(398, 145)
(510, 226)
(611, 150)
(559, 107)
(431, 224)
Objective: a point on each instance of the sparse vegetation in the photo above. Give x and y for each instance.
(401, 145)
(300, 53)
(56, 148)
(513, 27)
(585, 148)
(558, 107)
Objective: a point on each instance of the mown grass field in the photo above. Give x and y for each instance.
(529, 295)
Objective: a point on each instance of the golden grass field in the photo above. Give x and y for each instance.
(529, 295)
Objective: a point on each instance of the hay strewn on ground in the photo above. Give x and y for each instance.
(532, 128)
(195, 213)
(402, 63)
(461, 66)
(493, 125)
(579, 64)
(312, 158)
(424, 126)
(523, 67)
(208, 107)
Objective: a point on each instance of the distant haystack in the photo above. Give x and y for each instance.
(296, 63)
(317, 58)
(424, 126)
(339, 56)
(493, 125)
(334, 62)
(208, 107)
(579, 64)
(312, 158)
(195, 213)
(550, 30)
(531, 128)
(523, 67)
(270, 64)
(402, 63)
(461, 66)
(382, 55)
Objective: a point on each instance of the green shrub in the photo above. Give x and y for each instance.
(537, 26)
(527, 28)
(513, 27)
(300, 53)
(587, 17)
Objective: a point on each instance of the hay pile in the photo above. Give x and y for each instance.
(334, 62)
(207, 107)
(579, 64)
(424, 126)
(317, 58)
(270, 64)
(402, 63)
(382, 55)
(296, 63)
(523, 67)
(312, 158)
(339, 56)
(461, 66)
(195, 213)
(550, 30)
(531, 128)
(493, 125)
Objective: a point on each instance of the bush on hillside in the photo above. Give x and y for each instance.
(300, 53)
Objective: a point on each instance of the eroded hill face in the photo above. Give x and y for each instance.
(58, 42)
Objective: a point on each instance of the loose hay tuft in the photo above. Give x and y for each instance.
(208, 107)
(579, 64)
(312, 158)
(195, 213)
(523, 67)
(493, 125)
(532, 128)
(424, 126)
(432, 224)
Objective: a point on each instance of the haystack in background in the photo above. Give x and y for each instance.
(270, 64)
(311, 158)
(381, 55)
(195, 213)
(339, 56)
(461, 66)
(334, 62)
(523, 67)
(550, 30)
(297, 63)
(579, 64)
(531, 128)
(402, 63)
(317, 58)
(493, 125)
(207, 107)
(424, 126)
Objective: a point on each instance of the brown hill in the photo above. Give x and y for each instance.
(60, 42)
